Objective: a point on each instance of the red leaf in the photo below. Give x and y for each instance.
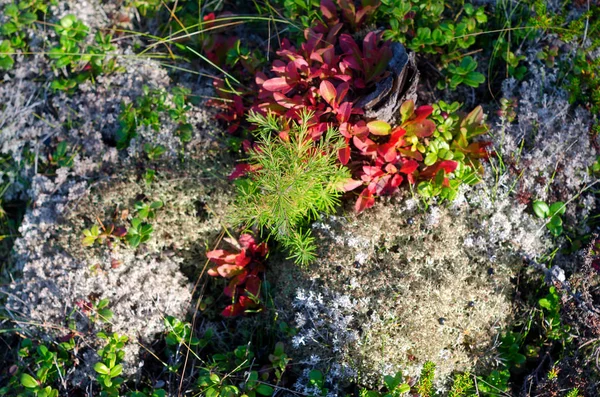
(409, 166)
(228, 271)
(344, 155)
(240, 170)
(328, 10)
(344, 112)
(232, 310)
(422, 128)
(387, 151)
(351, 185)
(422, 112)
(447, 165)
(247, 241)
(365, 200)
(328, 92)
(253, 284)
(277, 84)
(241, 259)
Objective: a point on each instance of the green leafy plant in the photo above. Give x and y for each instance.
(19, 18)
(49, 367)
(552, 214)
(6, 51)
(153, 152)
(139, 232)
(147, 211)
(109, 367)
(444, 30)
(452, 142)
(149, 110)
(551, 320)
(102, 234)
(395, 387)
(510, 349)
(293, 181)
(61, 156)
(463, 73)
(232, 374)
(279, 360)
(317, 380)
(96, 310)
(495, 384)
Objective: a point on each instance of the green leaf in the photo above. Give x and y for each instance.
(541, 209)
(105, 314)
(555, 221)
(101, 368)
(116, 370)
(265, 390)
(473, 79)
(134, 240)
(28, 381)
(379, 127)
(403, 388)
(558, 208)
(156, 205)
(430, 159)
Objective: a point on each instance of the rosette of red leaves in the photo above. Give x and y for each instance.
(243, 270)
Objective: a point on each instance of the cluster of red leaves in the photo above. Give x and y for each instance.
(326, 75)
(242, 270)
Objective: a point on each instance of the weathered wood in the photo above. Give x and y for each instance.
(399, 86)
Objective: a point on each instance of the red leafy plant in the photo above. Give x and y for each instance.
(326, 75)
(243, 270)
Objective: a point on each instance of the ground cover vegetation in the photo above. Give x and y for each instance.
(299, 197)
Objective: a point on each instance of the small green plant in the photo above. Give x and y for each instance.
(50, 366)
(153, 152)
(100, 312)
(510, 350)
(231, 374)
(109, 367)
(102, 235)
(279, 360)
(552, 214)
(148, 110)
(462, 386)
(425, 385)
(463, 73)
(395, 387)
(147, 211)
(293, 180)
(451, 141)
(495, 384)
(317, 380)
(438, 28)
(19, 17)
(551, 320)
(6, 51)
(573, 393)
(139, 232)
(96, 310)
(61, 156)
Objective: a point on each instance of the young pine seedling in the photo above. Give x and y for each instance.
(293, 180)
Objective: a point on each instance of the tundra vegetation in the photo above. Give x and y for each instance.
(372, 198)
